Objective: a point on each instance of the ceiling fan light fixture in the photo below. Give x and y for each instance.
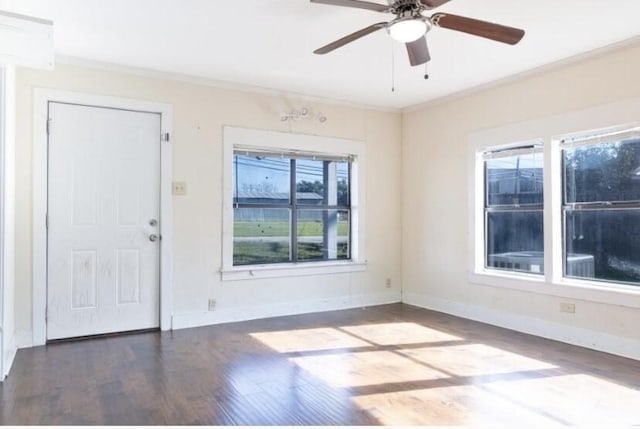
(407, 30)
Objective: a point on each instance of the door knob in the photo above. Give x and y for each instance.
(153, 237)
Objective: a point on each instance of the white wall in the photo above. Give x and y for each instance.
(435, 202)
(199, 113)
(7, 205)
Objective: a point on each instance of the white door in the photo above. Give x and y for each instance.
(103, 220)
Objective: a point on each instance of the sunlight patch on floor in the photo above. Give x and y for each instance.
(409, 374)
(577, 398)
(468, 360)
(304, 340)
(399, 333)
(454, 405)
(365, 368)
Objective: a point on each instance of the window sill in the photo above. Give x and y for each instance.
(583, 290)
(289, 270)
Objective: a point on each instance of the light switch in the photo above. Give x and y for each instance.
(179, 188)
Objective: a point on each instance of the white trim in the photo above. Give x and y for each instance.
(626, 347)
(550, 130)
(234, 136)
(553, 205)
(8, 355)
(204, 81)
(41, 98)
(290, 270)
(582, 290)
(26, 41)
(237, 314)
(7, 218)
(2, 219)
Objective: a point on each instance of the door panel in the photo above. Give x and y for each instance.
(104, 183)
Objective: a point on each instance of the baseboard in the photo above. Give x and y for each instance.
(625, 347)
(237, 314)
(9, 352)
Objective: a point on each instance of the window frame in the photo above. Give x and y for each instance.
(592, 138)
(551, 131)
(252, 140)
(293, 206)
(533, 147)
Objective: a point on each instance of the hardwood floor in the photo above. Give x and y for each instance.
(387, 365)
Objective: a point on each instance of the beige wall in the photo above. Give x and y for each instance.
(417, 196)
(199, 113)
(436, 193)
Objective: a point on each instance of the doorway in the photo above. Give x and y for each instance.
(107, 219)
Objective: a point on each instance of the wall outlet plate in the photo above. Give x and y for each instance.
(179, 188)
(567, 307)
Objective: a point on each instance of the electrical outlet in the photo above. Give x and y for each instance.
(179, 188)
(212, 305)
(566, 307)
(387, 283)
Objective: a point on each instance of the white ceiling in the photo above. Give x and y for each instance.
(269, 43)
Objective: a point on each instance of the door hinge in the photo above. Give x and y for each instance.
(166, 137)
(46, 314)
(46, 221)
(48, 126)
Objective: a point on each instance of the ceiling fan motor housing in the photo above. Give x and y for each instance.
(407, 10)
(401, 7)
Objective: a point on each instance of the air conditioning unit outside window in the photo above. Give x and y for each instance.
(578, 265)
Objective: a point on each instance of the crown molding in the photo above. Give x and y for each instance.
(199, 80)
(523, 75)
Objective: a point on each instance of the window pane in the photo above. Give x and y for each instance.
(322, 182)
(603, 245)
(606, 172)
(261, 236)
(343, 184)
(515, 241)
(261, 180)
(323, 235)
(514, 180)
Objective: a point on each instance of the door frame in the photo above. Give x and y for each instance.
(3, 115)
(41, 99)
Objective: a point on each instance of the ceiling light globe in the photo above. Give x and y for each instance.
(408, 30)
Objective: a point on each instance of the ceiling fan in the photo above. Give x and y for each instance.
(410, 26)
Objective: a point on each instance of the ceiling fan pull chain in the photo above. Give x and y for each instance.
(426, 71)
(393, 69)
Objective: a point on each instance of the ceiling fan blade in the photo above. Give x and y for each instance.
(350, 38)
(357, 4)
(418, 51)
(432, 4)
(488, 30)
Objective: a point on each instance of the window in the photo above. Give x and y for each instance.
(560, 215)
(601, 207)
(293, 205)
(513, 209)
(290, 207)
